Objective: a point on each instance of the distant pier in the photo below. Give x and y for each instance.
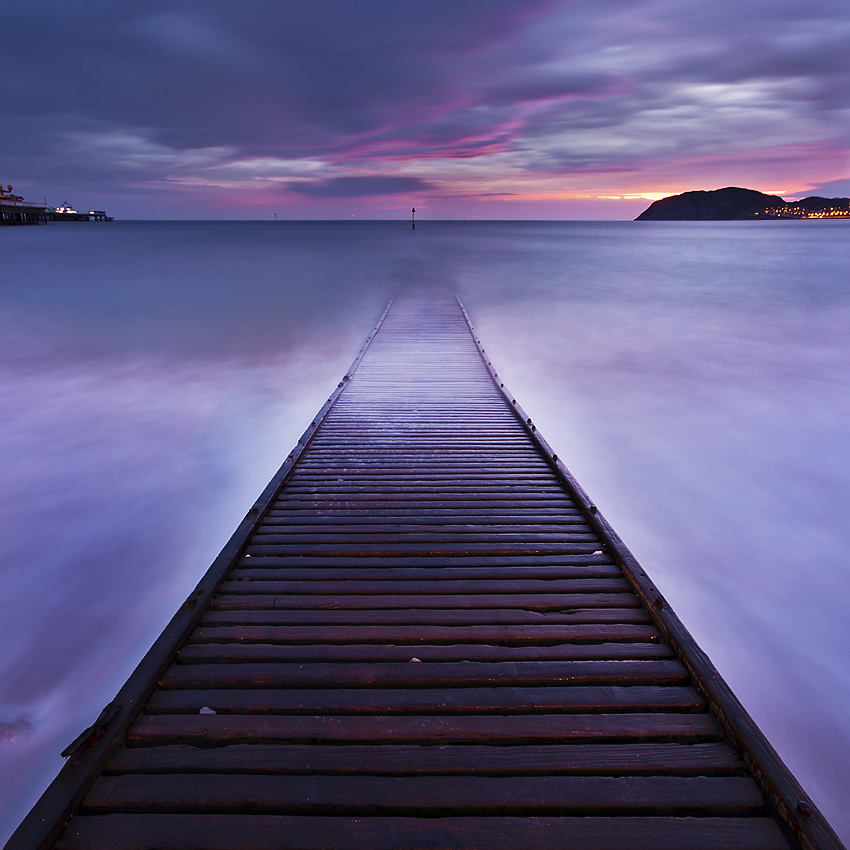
(15, 210)
(424, 635)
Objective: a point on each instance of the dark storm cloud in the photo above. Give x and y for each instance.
(352, 187)
(230, 94)
(269, 74)
(540, 85)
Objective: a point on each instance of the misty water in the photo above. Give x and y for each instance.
(694, 376)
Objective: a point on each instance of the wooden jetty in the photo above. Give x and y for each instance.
(424, 635)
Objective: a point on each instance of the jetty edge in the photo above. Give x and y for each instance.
(736, 204)
(424, 634)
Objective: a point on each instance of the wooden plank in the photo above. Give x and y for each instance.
(386, 601)
(508, 635)
(328, 454)
(495, 562)
(429, 539)
(427, 617)
(426, 674)
(425, 479)
(482, 460)
(282, 832)
(259, 583)
(509, 524)
(332, 455)
(506, 522)
(437, 482)
(451, 441)
(623, 759)
(575, 698)
(378, 447)
(400, 440)
(207, 730)
(386, 422)
(296, 511)
(397, 548)
(461, 497)
(367, 454)
(469, 405)
(392, 795)
(395, 514)
(396, 504)
(522, 491)
(200, 653)
(524, 576)
(325, 465)
(355, 495)
(392, 431)
(329, 527)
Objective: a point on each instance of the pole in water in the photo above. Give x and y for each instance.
(275, 218)
(413, 219)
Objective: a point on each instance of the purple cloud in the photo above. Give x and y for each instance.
(354, 187)
(832, 189)
(179, 96)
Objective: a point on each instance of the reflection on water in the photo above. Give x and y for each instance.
(695, 376)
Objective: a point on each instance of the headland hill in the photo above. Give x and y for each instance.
(15, 210)
(736, 204)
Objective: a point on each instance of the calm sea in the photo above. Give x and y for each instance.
(695, 376)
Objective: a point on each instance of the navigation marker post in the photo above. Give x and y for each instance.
(413, 219)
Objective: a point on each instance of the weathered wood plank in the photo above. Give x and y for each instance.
(495, 700)
(199, 653)
(335, 453)
(558, 602)
(386, 795)
(206, 730)
(597, 759)
(430, 541)
(453, 534)
(510, 577)
(426, 479)
(599, 558)
(369, 524)
(354, 464)
(427, 616)
(470, 497)
(395, 512)
(427, 674)
(435, 494)
(395, 548)
(281, 832)
(256, 583)
(509, 635)
(491, 441)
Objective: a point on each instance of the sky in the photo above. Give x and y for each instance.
(507, 109)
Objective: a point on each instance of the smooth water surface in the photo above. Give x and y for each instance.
(695, 376)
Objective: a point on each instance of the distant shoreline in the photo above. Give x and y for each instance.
(736, 204)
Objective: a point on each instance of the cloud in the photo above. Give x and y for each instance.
(237, 96)
(832, 189)
(354, 187)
